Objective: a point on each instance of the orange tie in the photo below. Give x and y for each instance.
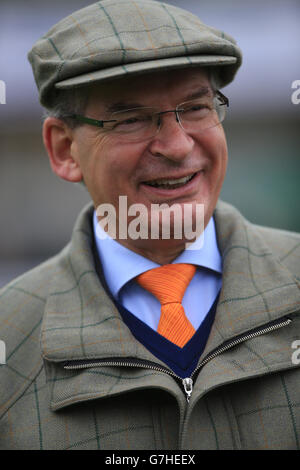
(168, 284)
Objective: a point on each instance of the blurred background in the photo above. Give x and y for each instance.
(37, 210)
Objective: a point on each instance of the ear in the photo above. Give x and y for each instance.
(58, 139)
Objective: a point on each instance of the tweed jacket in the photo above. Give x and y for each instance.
(76, 378)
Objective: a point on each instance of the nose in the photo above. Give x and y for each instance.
(172, 141)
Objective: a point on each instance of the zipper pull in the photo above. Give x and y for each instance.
(188, 387)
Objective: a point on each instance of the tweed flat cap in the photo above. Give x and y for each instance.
(114, 38)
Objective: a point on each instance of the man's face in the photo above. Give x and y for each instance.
(113, 168)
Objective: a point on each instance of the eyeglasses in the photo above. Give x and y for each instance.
(138, 124)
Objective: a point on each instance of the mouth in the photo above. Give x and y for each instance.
(170, 184)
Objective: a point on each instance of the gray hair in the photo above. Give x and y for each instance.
(214, 78)
(67, 103)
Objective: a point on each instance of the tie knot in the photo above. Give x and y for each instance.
(168, 283)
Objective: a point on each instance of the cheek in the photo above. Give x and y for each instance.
(97, 157)
(118, 161)
(111, 168)
(217, 149)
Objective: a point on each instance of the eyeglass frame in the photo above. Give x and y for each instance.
(100, 123)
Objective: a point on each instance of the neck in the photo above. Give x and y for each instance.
(161, 252)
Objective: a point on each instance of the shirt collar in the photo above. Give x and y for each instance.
(120, 265)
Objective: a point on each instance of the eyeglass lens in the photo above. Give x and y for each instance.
(143, 123)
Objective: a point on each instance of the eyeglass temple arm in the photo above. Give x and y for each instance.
(223, 98)
(86, 120)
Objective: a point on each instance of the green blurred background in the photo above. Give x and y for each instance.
(37, 210)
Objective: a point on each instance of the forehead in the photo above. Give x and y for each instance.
(147, 89)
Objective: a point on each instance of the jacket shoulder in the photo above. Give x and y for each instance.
(22, 306)
(279, 238)
(284, 245)
(24, 292)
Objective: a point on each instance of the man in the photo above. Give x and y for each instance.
(153, 342)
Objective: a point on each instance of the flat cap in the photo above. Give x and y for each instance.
(114, 38)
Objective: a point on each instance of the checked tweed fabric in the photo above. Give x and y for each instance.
(245, 398)
(168, 284)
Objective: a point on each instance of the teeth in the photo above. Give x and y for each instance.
(171, 182)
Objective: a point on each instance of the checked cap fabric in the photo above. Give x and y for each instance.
(113, 39)
(168, 284)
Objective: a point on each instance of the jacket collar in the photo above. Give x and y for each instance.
(81, 320)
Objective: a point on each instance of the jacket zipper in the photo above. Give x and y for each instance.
(187, 382)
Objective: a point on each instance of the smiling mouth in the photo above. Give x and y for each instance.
(170, 183)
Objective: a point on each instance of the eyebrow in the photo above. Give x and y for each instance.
(203, 91)
(123, 105)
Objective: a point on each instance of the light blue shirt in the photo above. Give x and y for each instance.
(121, 265)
